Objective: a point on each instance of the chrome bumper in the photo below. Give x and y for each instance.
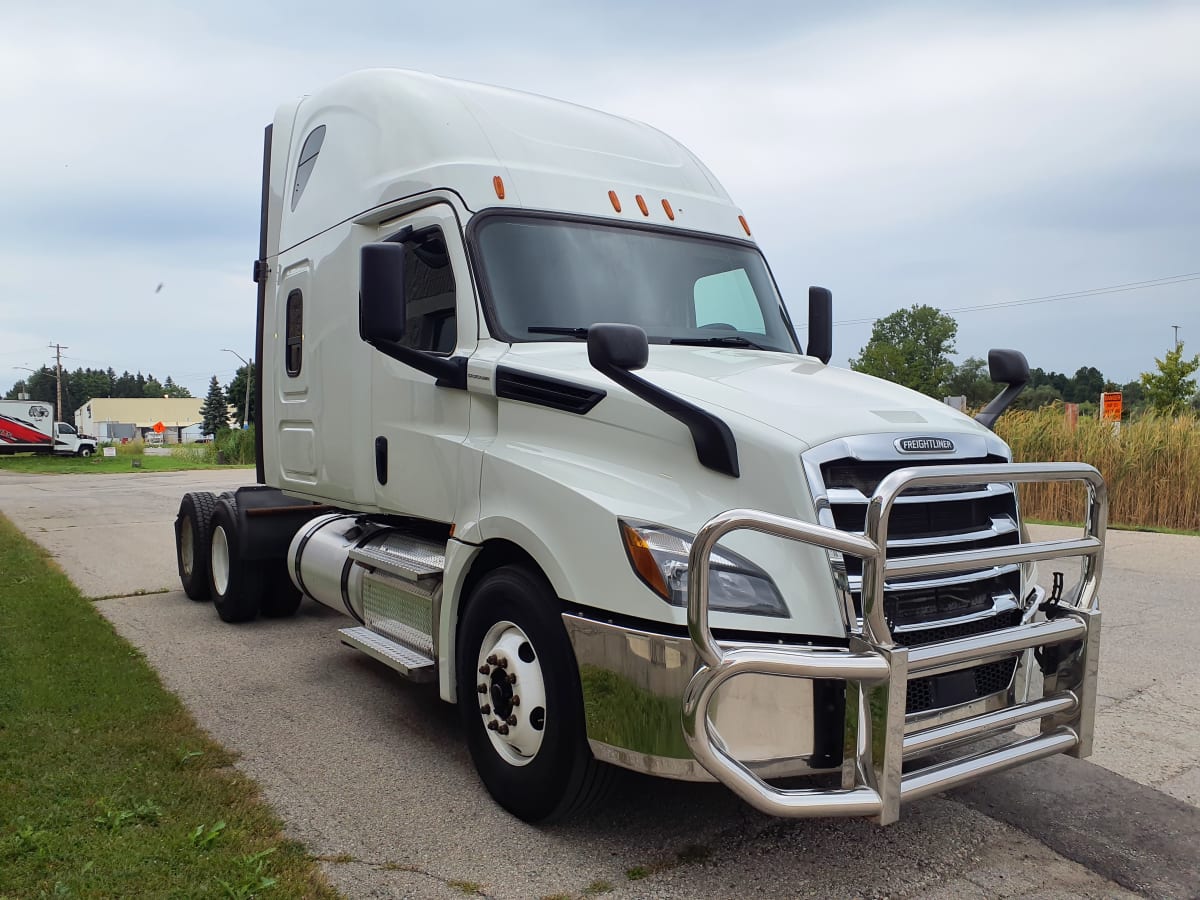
(634, 722)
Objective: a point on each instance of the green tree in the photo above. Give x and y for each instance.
(214, 411)
(1169, 391)
(153, 387)
(971, 380)
(1036, 397)
(171, 389)
(236, 392)
(1086, 386)
(911, 347)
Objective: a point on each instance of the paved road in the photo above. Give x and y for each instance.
(366, 767)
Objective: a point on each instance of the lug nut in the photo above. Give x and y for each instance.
(493, 725)
(515, 701)
(483, 688)
(485, 710)
(492, 660)
(512, 677)
(483, 670)
(501, 662)
(512, 720)
(503, 729)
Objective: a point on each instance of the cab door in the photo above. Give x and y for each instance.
(418, 428)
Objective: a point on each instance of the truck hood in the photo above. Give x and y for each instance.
(797, 395)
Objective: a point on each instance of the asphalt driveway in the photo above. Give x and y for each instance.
(370, 772)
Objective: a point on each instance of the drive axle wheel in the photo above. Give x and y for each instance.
(193, 525)
(520, 699)
(236, 584)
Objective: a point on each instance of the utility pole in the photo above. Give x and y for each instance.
(58, 349)
(1176, 327)
(249, 371)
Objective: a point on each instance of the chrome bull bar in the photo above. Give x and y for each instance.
(877, 670)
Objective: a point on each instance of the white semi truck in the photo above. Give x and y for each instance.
(28, 426)
(535, 416)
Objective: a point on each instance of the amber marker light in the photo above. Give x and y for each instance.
(498, 184)
(643, 561)
(667, 209)
(612, 196)
(745, 227)
(641, 202)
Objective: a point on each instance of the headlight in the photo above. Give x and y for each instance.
(659, 555)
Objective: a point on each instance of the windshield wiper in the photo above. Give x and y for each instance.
(580, 333)
(729, 340)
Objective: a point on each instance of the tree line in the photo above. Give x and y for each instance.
(913, 346)
(83, 385)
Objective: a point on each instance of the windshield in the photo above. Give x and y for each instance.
(548, 280)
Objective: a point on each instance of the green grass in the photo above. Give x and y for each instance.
(101, 465)
(107, 786)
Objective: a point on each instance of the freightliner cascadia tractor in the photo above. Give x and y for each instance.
(534, 417)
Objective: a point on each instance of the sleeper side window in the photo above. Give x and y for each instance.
(431, 322)
(308, 159)
(294, 333)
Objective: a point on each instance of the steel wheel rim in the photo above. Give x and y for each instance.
(512, 693)
(220, 560)
(187, 550)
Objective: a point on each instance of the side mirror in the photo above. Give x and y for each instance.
(381, 314)
(623, 347)
(1010, 368)
(381, 293)
(820, 323)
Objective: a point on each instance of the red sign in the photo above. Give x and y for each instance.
(1110, 406)
(159, 427)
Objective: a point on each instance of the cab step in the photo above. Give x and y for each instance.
(404, 556)
(408, 662)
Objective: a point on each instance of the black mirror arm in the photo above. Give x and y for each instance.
(715, 445)
(450, 371)
(1007, 367)
(989, 414)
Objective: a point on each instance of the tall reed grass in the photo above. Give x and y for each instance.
(1152, 466)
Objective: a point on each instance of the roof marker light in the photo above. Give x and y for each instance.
(612, 196)
(667, 209)
(745, 227)
(498, 184)
(641, 202)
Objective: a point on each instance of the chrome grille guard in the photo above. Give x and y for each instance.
(876, 670)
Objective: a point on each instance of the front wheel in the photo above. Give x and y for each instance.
(520, 699)
(85, 451)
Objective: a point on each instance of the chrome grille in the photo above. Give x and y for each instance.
(928, 609)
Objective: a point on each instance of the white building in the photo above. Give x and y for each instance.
(123, 418)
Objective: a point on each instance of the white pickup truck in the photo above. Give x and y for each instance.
(29, 427)
(535, 416)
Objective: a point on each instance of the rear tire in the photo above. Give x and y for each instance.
(193, 526)
(235, 584)
(536, 764)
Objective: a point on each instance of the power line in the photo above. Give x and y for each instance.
(1164, 281)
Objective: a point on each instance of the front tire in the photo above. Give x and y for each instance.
(525, 728)
(193, 526)
(85, 451)
(235, 584)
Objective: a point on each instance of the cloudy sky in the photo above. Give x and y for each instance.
(957, 154)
